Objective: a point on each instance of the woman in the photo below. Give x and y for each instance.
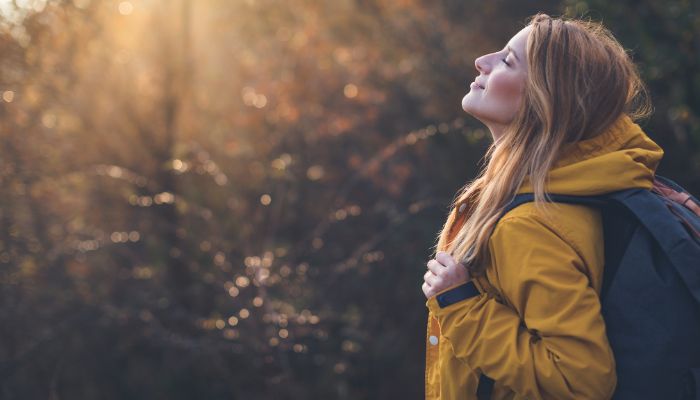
(514, 309)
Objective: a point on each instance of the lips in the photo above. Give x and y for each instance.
(478, 83)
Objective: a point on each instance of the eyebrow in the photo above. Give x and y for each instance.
(514, 53)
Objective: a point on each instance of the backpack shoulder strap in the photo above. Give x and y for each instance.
(596, 201)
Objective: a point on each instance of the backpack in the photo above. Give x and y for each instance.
(650, 296)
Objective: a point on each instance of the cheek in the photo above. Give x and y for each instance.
(506, 86)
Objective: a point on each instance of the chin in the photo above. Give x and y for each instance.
(465, 104)
(470, 102)
(469, 109)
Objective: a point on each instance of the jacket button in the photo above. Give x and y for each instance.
(462, 207)
(433, 340)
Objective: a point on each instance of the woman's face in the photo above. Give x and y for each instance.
(496, 93)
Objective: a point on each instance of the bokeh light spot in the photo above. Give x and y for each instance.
(126, 8)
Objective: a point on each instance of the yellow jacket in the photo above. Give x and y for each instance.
(535, 327)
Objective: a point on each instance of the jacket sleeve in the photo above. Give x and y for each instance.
(550, 343)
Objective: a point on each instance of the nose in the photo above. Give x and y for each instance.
(481, 64)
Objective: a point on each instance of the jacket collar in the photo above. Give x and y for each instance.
(620, 157)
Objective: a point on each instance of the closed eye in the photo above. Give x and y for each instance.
(505, 62)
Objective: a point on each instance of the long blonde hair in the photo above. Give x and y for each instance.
(580, 80)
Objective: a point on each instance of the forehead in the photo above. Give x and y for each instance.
(519, 40)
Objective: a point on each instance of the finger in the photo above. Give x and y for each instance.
(426, 290)
(445, 259)
(435, 267)
(430, 278)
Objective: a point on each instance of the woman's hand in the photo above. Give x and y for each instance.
(443, 272)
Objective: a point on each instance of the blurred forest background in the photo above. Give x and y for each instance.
(236, 199)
